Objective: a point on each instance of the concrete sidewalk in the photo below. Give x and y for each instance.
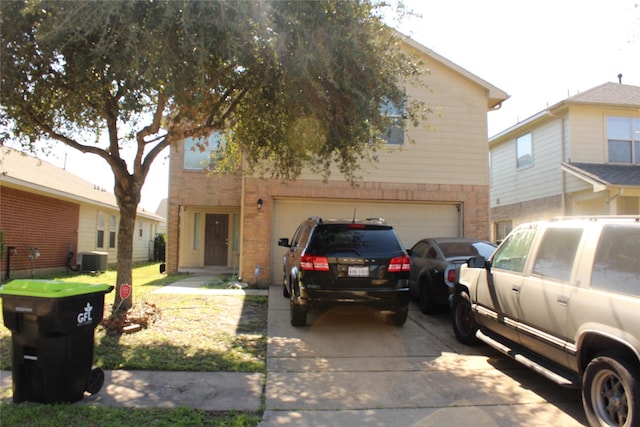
(209, 391)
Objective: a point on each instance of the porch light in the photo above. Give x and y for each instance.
(259, 204)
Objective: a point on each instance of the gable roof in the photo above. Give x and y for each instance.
(603, 176)
(28, 172)
(495, 96)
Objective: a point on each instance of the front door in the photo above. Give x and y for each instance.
(216, 239)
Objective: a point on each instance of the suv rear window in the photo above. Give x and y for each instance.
(616, 266)
(359, 237)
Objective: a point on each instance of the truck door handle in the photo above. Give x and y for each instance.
(515, 289)
(563, 300)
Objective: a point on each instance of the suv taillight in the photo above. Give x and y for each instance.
(399, 263)
(312, 262)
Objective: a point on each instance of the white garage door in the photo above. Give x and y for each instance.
(412, 221)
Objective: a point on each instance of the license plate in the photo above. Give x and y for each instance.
(358, 271)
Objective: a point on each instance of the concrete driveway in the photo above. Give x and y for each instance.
(348, 367)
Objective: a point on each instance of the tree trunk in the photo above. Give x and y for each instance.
(128, 198)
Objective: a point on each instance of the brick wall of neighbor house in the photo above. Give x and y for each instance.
(32, 220)
(532, 210)
(257, 223)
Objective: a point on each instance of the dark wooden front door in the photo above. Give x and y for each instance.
(216, 238)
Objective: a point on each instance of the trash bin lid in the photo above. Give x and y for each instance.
(51, 288)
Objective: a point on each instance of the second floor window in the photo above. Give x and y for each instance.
(199, 153)
(623, 139)
(395, 132)
(524, 151)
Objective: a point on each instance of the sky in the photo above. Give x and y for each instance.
(537, 51)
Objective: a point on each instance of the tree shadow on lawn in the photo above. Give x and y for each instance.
(192, 333)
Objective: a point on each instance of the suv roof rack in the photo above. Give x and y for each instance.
(377, 220)
(316, 219)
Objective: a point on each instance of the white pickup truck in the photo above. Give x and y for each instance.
(563, 298)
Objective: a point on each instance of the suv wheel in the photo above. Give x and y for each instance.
(298, 317)
(610, 390)
(427, 304)
(464, 325)
(399, 317)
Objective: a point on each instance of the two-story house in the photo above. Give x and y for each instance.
(437, 186)
(580, 156)
(52, 220)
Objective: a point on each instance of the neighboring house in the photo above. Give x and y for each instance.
(436, 187)
(53, 212)
(580, 156)
(161, 211)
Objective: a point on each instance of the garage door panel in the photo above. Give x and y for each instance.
(412, 221)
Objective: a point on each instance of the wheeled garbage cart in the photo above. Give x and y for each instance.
(52, 327)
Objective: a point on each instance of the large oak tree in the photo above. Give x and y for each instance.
(291, 84)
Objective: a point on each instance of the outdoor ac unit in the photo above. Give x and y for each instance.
(93, 261)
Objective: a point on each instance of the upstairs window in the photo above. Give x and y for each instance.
(200, 153)
(394, 134)
(623, 139)
(524, 151)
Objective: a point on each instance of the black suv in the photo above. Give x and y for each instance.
(346, 262)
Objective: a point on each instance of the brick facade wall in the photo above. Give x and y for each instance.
(32, 220)
(531, 210)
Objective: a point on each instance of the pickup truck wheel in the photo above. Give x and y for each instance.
(610, 392)
(298, 317)
(464, 325)
(427, 304)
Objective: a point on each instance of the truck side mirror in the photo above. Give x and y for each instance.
(477, 262)
(284, 242)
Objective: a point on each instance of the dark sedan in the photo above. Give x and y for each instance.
(434, 265)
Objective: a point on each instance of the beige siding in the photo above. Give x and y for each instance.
(88, 227)
(588, 135)
(142, 240)
(541, 180)
(453, 152)
(87, 234)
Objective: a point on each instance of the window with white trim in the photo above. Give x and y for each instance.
(394, 133)
(200, 153)
(524, 151)
(623, 139)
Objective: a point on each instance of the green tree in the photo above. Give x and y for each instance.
(290, 84)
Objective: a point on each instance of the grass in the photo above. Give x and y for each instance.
(180, 333)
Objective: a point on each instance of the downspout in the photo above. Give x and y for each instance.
(614, 197)
(178, 237)
(563, 202)
(242, 212)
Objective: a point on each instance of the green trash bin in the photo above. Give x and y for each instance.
(52, 330)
